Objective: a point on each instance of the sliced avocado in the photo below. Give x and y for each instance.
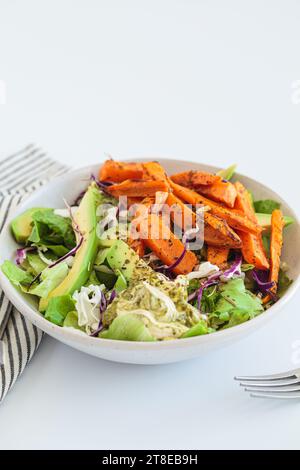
(265, 220)
(21, 225)
(101, 256)
(108, 238)
(85, 256)
(121, 258)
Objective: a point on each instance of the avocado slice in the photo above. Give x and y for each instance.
(122, 259)
(21, 225)
(265, 220)
(85, 256)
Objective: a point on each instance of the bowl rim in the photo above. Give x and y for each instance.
(69, 335)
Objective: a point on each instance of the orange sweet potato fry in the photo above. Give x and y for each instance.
(120, 171)
(234, 218)
(131, 188)
(190, 179)
(154, 171)
(222, 191)
(165, 245)
(252, 245)
(277, 224)
(217, 255)
(243, 201)
(216, 231)
(253, 250)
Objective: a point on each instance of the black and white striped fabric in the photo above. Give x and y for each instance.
(20, 175)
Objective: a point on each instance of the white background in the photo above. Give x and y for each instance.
(210, 81)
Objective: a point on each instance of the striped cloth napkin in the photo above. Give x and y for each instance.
(20, 175)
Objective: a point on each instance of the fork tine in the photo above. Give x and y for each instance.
(270, 383)
(284, 389)
(284, 396)
(284, 375)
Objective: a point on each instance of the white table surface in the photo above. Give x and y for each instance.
(210, 81)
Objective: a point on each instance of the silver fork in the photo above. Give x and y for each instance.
(284, 385)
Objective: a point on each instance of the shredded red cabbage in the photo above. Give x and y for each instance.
(70, 253)
(102, 185)
(112, 297)
(99, 328)
(103, 306)
(262, 280)
(21, 254)
(176, 262)
(103, 303)
(235, 269)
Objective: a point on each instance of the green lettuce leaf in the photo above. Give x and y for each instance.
(51, 229)
(50, 279)
(71, 320)
(127, 328)
(16, 275)
(238, 316)
(57, 250)
(235, 305)
(35, 263)
(58, 308)
(266, 206)
(200, 328)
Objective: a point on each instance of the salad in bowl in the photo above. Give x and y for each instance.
(142, 255)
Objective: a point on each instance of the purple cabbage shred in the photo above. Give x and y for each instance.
(21, 254)
(262, 280)
(103, 306)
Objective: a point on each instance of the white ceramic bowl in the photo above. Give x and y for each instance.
(68, 186)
